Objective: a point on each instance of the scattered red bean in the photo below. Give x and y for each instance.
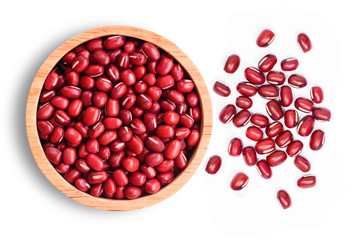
(289, 64)
(276, 158)
(239, 181)
(213, 164)
(285, 96)
(274, 129)
(249, 156)
(235, 147)
(291, 118)
(265, 146)
(254, 133)
(305, 126)
(232, 63)
(267, 62)
(294, 148)
(275, 78)
(284, 199)
(268, 91)
(242, 118)
(265, 38)
(254, 76)
(304, 42)
(302, 164)
(306, 181)
(317, 140)
(259, 120)
(244, 102)
(304, 105)
(321, 114)
(246, 89)
(227, 113)
(297, 81)
(274, 110)
(316, 94)
(264, 169)
(221, 89)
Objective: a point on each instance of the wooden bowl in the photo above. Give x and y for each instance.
(112, 204)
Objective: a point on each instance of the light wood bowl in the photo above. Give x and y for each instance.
(112, 204)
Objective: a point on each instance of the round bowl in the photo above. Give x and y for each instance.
(112, 204)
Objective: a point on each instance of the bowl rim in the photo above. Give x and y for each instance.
(113, 204)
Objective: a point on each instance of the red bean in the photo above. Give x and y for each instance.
(107, 137)
(45, 111)
(150, 51)
(259, 120)
(268, 91)
(242, 118)
(304, 105)
(132, 192)
(46, 96)
(137, 178)
(264, 169)
(316, 94)
(92, 146)
(110, 186)
(239, 181)
(297, 81)
(275, 78)
(302, 164)
(249, 156)
(164, 66)
(221, 89)
(274, 109)
(62, 168)
(304, 42)
(244, 102)
(73, 136)
(291, 118)
(51, 81)
(101, 57)
(154, 159)
(94, 70)
(192, 99)
(235, 147)
(289, 64)
(276, 158)
(193, 138)
(284, 199)
(94, 44)
(120, 177)
(166, 82)
(165, 131)
(285, 96)
(165, 166)
(91, 116)
(113, 42)
(172, 149)
(246, 89)
(321, 114)
(227, 113)
(94, 162)
(305, 126)
(137, 58)
(75, 108)
(155, 144)
(267, 62)
(57, 135)
(131, 164)
(53, 154)
(265, 38)
(45, 127)
(213, 165)
(177, 72)
(254, 75)
(72, 175)
(80, 64)
(135, 144)
(195, 113)
(62, 117)
(232, 63)
(123, 61)
(181, 160)
(284, 139)
(96, 190)
(294, 148)
(306, 181)
(69, 155)
(274, 129)
(165, 177)
(72, 78)
(317, 140)
(113, 73)
(150, 172)
(185, 85)
(68, 58)
(265, 146)
(139, 72)
(254, 133)
(152, 186)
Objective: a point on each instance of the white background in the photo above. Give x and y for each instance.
(205, 208)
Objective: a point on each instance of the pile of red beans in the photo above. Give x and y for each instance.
(280, 96)
(118, 117)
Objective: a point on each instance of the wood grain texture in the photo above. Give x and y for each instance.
(111, 204)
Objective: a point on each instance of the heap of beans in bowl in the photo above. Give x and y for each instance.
(273, 141)
(118, 117)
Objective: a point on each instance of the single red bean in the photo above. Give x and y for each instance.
(239, 181)
(132, 192)
(62, 168)
(241, 118)
(94, 162)
(265, 146)
(274, 129)
(137, 126)
(176, 96)
(264, 169)
(249, 156)
(164, 66)
(82, 166)
(289, 64)
(275, 78)
(254, 133)
(294, 148)
(267, 62)
(244, 102)
(154, 159)
(128, 77)
(95, 177)
(69, 155)
(246, 89)
(182, 108)
(139, 72)
(213, 165)
(80, 64)
(47, 96)
(96, 130)
(165, 131)
(113, 42)
(150, 121)
(150, 172)
(72, 175)
(192, 99)
(114, 54)
(82, 129)
(72, 78)
(144, 101)
(120, 177)
(305, 126)
(172, 149)
(181, 160)
(182, 133)
(265, 38)
(284, 139)
(123, 61)
(119, 193)
(91, 115)
(103, 84)
(302, 164)
(109, 186)
(45, 111)
(137, 178)
(135, 144)
(92, 145)
(116, 158)
(276, 158)
(166, 82)
(125, 116)
(57, 135)
(45, 127)
(285, 96)
(86, 98)
(291, 118)
(304, 42)
(232, 63)
(101, 57)
(100, 99)
(155, 144)
(131, 164)
(53, 154)
(274, 109)
(254, 75)
(68, 58)
(73, 136)
(85, 53)
(316, 94)
(137, 58)
(317, 140)
(171, 118)
(177, 72)
(112, 107)
(154, 92)
(128, 100)
(165, 177)
(165, 166)
(304, 105)
(113, 73)
(152, 186)
(150, 51)
(125, 133)
(306, 181)
(259, 120)
(51, 81)
(94, 70)
(75, 108)
(107, 137)
(321, 114)
(268, 91)
(227, 113)
(61, 117)
(140, 86)
(193, 138)
(94, 44)
(284, 199)
(150, 79)
(195, 113)
(185, 85)
(235, 147)
(82, 152)
(297, 81)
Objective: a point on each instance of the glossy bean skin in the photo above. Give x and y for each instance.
(297, 81)
(259, 120)
(254, 76)
(242, 118)
(274, 110)
(243, 102)
(302, 164)
(305, 126)
(235, 147)
(275, 78)
(264, 169)
(304, 105)
(285, 96)
(232, 63)
(276, 158)
(246, 89)
(284, 139)
(213, 165)
(267, 62)
(304, 42)
(291, 118)
(294, 148)
(221, 89)
(308, 181)
(265, 146)
(268, 91)
(254, 133)
(321, 114)
(239, 181)
(289, 64)
(250, 157)
(265, 38)
(284, 199)
(227, 113)
(274, 129)
(316, 94)
(317, 140)
(150, 51)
